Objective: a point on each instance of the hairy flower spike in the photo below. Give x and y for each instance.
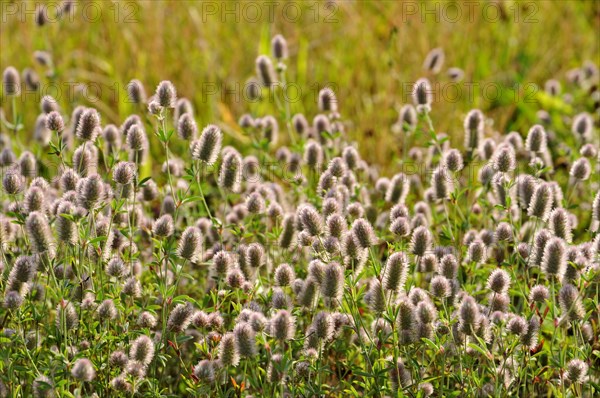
(207, 148)
(395, 272)
(536, 139)
(166, 94)
(422, 95)
(554, 259)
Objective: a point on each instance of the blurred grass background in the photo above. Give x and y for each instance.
(369, 51)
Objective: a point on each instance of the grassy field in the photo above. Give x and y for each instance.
(371, 52)
(299, 199)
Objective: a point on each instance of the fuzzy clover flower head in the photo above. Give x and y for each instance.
(504, 158)
(422, 95)
(136, 92)
(279, 47)
(581, 169)
(83, 370)
(363, 233)
(88, 126)
(474, 125)
(207, 148)
(166, 95)
(54, 121)
(499, 281)
(163, 227)
(186, 127)
(539, 294)
(434, 61)
(142, 350)
(124, 172)
(453, 160)
(11, 81)
(265, 71)
(536, 139)
(577, 371)
(327, 100)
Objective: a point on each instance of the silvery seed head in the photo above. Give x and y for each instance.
(310, 220)
(83, 370)
(230, 174)
(130, 121)
(442, 183)
(469, 316)
(255, 203)
(313, 154)
(526, 186)
(400, 226)
(207, 148)
(322, 326)
(12, 300)
(536, 139)
(66, 316)
(407, 118)
(166, 95)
